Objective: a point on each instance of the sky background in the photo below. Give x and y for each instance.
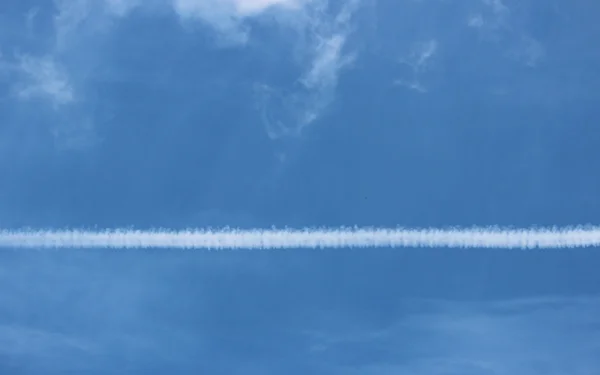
(253, 113)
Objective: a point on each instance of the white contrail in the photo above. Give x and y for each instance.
(476, 237)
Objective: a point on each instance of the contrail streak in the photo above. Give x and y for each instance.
(476, 237)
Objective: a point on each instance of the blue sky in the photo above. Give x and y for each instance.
(253, 113)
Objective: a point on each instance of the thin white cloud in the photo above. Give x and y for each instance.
(328, 54)
(538, 238)
(327, 63)
(494, 22)
(320, 37)
(121, 7)
(251, 7)
(236, 9)
(422, 53)
(69, 18)
(324, 55)
(497, 6)
(490, 20)
(319, 34)
(221, 15)
(19, 341)
(74, 20)
(475, 20)
(280, 109)
(534, 336)
(227, 16)
(44, 78)
(52, 78)
(527, 51)
(75, 134)
(557, 336)
(418, 61)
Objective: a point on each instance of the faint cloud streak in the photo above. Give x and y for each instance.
(44, 78)
(530, 336)
(418, 61)
(324, 59)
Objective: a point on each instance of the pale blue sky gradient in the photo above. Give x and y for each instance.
(194, 113)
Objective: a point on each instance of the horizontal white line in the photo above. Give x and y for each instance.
(476, 237)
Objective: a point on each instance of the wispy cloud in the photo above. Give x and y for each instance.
(215, 11)
(227, 17)
(44, 77)
(324, 38)
(121, 7)
(321, 37)
(319, 33)
(221, 15)
(52, 77)
(308, 238)
(69, 19)
(494, 15)
(328, 56)
(418, 61)
(531, 336)
(19, 341)
(527, 51)
(510, 337)
(287, 112)
(328, 60)
(495, 22)
(75, 134)
(236, 8)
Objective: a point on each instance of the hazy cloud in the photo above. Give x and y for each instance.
(121, 7)
(527, 51)
(494, 22)
(418, 61)
(323, 58)
(227, 16)
(236, 8)
(44, 77)
(531, 336)
(319, 33)
(321, 38)
(69, 18)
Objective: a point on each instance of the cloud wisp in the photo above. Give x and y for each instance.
(317, 29)
(231, 238)
(418, 61)
(45, 79)
(228, 17)
(323, 36)
(534, 336)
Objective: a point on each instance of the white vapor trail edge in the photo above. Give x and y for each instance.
(476, 237)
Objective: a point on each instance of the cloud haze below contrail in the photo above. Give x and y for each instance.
(342, 237)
